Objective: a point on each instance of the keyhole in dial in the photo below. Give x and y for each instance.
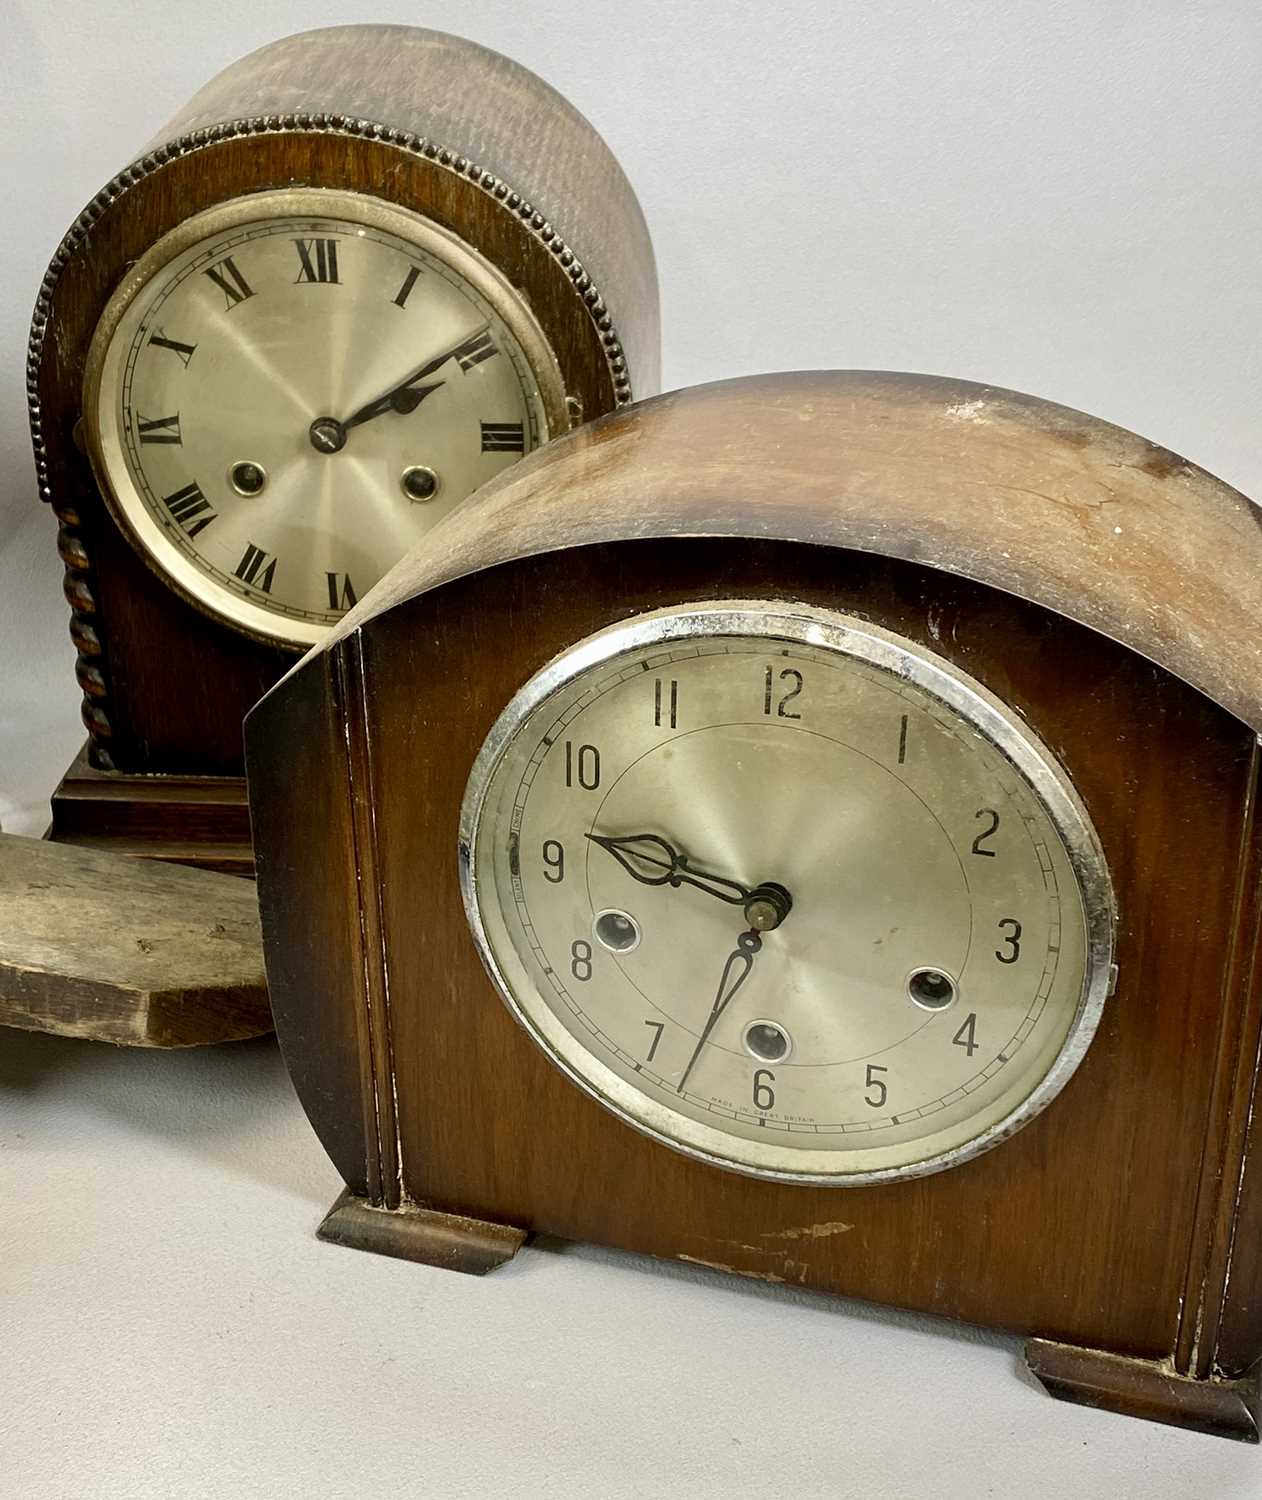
(931, 989)
(767, 1041)
(617, 930)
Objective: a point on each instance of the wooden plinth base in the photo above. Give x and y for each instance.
(448, 1241)
(1143, 1388)
(202, 821)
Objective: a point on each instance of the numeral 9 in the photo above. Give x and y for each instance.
(554, 858)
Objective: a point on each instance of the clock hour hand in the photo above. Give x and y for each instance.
(735, 972)
(648, 858)
(402, 401)
(408, 394)
(652, 861)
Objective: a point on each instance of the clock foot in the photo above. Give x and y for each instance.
(202, 821)
(1149, 1389)
(449, 1241)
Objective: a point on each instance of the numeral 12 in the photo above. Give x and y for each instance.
(782, 710)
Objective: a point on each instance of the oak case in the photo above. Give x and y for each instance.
(463, 136)
(1076, 571)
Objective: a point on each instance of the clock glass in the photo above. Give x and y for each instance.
(787, 892)
(288, 390)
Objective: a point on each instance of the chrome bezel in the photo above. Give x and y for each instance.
(807, 624)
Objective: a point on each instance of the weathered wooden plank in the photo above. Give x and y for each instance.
(98, 945)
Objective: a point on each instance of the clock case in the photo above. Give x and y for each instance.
(1105, 588)
(433, 122)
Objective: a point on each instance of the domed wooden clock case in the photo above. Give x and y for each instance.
(462, 193)
(745, 684)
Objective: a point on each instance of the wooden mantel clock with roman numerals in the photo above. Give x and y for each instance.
(852, 878)
(361, 272)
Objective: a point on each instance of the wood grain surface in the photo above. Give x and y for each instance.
(1109, 1382)
(477, 106)
(1036, 499)
(201, 821)
(97, 945)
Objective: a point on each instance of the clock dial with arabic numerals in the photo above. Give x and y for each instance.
(290, 389)
(787, 892)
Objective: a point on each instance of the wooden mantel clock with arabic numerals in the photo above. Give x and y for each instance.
(806, 826)
(360, 273)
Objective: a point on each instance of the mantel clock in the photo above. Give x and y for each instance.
(805, 826)
(359, 274)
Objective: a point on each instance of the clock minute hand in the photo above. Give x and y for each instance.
(735, 972)
(407, 395)
(652, 861)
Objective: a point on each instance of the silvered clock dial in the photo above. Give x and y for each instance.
(289, 389)
(787, 892)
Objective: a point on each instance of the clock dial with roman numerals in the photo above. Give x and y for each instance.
(290, 389)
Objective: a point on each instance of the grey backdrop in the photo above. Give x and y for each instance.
(1060, 197)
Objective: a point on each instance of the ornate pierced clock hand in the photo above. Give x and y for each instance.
(765, 906)
(735, 972)
(667, 865)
